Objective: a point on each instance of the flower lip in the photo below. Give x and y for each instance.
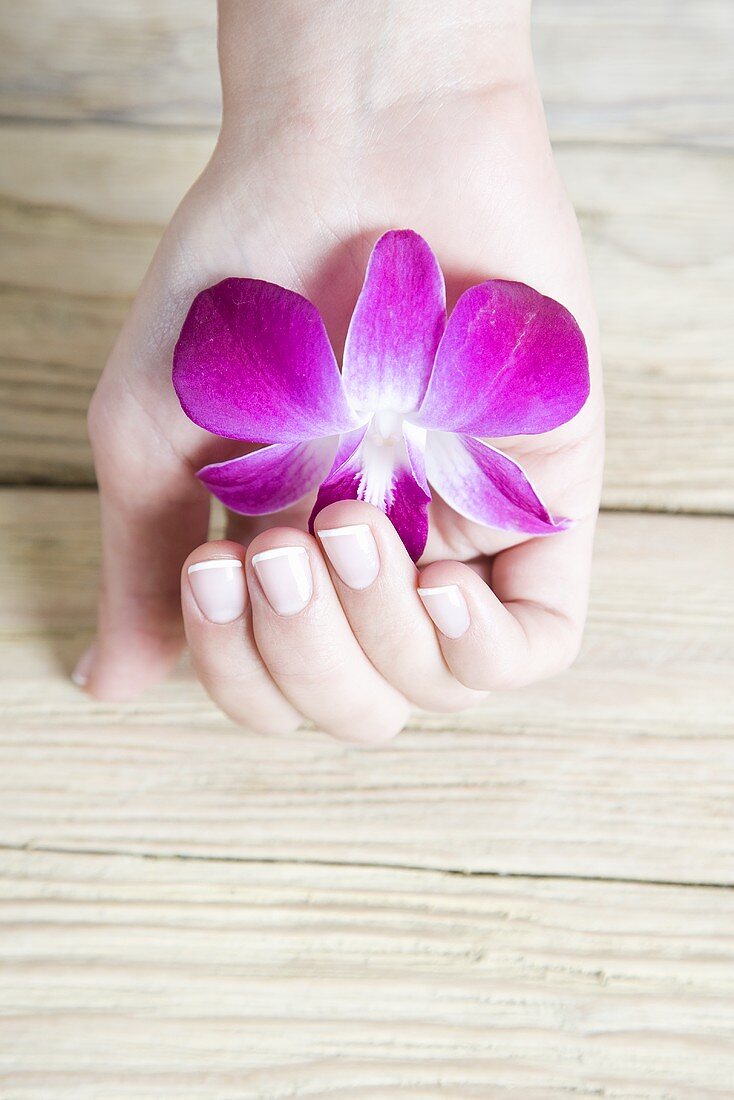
(387, 426)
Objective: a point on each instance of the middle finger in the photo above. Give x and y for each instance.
(306, 642)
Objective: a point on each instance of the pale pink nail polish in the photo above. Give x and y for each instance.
(285, 576)
(448, 609)
(218, 586)
(80, 675)
(353, 553)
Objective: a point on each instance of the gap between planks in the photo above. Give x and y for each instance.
(358, 865)
(183, 129)
(606, 509)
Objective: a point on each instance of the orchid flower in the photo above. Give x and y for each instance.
(405, 415)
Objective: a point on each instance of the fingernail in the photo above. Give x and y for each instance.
(353, 553)
(80, 675)
(447, 607)
(219, 588)
(285, 576)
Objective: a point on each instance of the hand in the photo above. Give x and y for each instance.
(296, 193)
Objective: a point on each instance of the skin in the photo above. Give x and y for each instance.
(346, 121)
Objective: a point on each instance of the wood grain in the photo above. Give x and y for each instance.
(145, 61)
(145, 978)
(628, 71)
(622, 768)
(81, 213)
(653, 72)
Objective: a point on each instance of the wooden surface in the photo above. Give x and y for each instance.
(532, 900)
(194, 978)
(623, 768)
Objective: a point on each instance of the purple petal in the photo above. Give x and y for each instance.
(271, 478)
(398, 486)
(396, 325)
(253, 361)
(511, 362)
(486, 486)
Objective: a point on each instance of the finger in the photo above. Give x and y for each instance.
(153, 512)
(308, 646)
(219, 632)
(527, 625)
(377, 586)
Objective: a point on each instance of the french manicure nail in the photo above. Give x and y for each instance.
(219, 588)
(285, 576)
(447, 607)
(80, 675)
(353, 553)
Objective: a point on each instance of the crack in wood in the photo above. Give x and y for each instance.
(356, 865)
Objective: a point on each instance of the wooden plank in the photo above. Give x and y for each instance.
(53, 349)
(622, 768)
(650, 71)
(141, 978)
(81, 212)
(661, 244)
(660, 240)
(147, 61)
(629, 71)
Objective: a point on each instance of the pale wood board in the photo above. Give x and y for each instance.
(650, 71)
(622, 768)
(146, 61)
(634, 70)
(153, 978)
(660, 236)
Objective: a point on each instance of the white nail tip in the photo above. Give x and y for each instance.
(215, 563)
(353, 553)
(448, 609)
(218, 586)
(353, 529)
(278, 552)
(284, 574)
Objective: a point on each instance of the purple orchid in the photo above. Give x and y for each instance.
(253, 362)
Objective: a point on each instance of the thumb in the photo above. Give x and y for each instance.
(153, 513)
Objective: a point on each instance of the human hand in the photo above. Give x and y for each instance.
(467, 164)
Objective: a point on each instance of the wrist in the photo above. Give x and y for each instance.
(325, 68)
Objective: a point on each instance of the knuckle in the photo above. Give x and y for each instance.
(236, 701)
(270, 725)
(308, 665)
(499, 672)
(568, 648)
(377, 729)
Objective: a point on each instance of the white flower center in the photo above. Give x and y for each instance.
(383, 448)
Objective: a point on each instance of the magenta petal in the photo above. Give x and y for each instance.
(511, 362)
(253, 361)
(396, 326)
(402, 493)
(486, 486)
(271, 478)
